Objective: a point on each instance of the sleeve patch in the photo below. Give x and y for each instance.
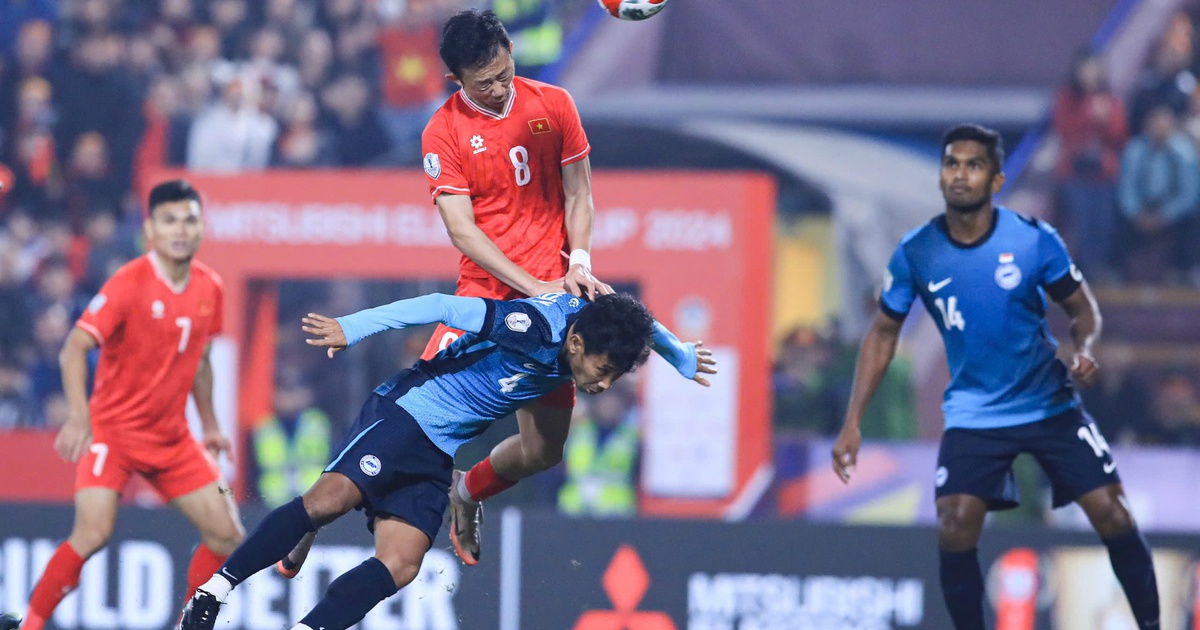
(518, 322)
(433, 165)
(97, 303)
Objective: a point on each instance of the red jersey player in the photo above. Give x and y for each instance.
(507, 163)
(153, 321)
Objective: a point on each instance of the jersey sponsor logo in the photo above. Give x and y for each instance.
(97, 303)
(370, 465)
(518, 322)
(934, 287)
(433, 165)
(1008, 276)
(477, 144)
(540, 125)
(157, 309)
(941, 476)
(1109, 467)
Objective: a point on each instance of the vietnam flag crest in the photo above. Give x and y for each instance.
(540, 125)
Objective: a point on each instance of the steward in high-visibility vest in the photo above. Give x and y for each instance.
(290, 462)
(600, 470)
(536, 32)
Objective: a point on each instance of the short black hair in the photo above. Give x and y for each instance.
(989, 138)
(472, 39)
(617, 325)
(171, 191)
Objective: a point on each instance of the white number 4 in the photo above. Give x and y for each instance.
(951, 316)
(507, 385)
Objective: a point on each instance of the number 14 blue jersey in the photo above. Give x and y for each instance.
(988, 300)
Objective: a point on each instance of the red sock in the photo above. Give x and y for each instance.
(61, 577)
(483, 482)
(203, 565)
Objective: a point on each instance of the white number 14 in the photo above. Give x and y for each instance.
(951, 316)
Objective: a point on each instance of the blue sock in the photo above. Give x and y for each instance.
(274, 537)
(1131, 561)
(962, 588)
(350, 597)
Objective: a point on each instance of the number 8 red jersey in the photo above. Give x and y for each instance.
(152, 335)
(511, 166)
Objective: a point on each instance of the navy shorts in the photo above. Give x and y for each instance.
(1068, 447)
(399, 471)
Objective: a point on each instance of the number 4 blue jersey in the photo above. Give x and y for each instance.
(513, 359)
(988, 299)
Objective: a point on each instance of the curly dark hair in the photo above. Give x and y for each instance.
(619, 326)
(472, 39)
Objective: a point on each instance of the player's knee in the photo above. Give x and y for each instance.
(224, 539)
(956, 532)
(326, 502)
(1112, 519)
(88, 540)
(545, 455)
(403, 570)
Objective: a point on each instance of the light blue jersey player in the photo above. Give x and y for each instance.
(396, 462)
(983, 273)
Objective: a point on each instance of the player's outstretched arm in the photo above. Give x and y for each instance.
(691, 359)
(878, 348)
(75, 436)
(1084, 312)
(337, 334)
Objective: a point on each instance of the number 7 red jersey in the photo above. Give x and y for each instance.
(152, 335)
(511, 166)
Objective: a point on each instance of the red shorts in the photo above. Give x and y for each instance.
(173, 469)
(563, 397)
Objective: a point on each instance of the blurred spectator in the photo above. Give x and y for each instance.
(56, 288)
(805, 394)
(536, 31)
(1169, 82)
(16, 406)
(30, 148)
(1090, 122)
(316, 60)
(89, 180)
(233, 134)
(45, 378)
(1118, 401)
(414, 83)
(1159, 190)
(15, 15)
(15, 310)
(1177, 410)
(601, 455)
(108, 245)
(303, 144)
(359, 138)
(31, 59)
(230, 17)
(291, 446)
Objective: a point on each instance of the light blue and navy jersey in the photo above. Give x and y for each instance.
(989, 301)
(513, 359)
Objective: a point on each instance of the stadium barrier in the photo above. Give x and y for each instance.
(543, 571)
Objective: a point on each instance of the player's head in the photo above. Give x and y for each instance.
(609, 337)
(173, 226)
(972, 167)
(477, 51)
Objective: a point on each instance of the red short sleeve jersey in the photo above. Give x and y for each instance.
(511, 166)
(152, 336)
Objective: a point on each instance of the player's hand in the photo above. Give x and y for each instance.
(73, 438)
(553, 286)
(328, 332)
(845, 452)
(1084, 369)
(705, 364)
(580, 282)
(215, 442)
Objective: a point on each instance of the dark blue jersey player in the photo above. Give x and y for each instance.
(983, 273)
(397, 460)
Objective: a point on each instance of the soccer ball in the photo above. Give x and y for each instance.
(633, 9)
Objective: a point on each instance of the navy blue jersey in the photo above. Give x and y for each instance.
(514, 358)
(989, 302)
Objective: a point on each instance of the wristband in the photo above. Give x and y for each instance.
(581, 257)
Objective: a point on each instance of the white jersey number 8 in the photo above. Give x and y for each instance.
(520, 161)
